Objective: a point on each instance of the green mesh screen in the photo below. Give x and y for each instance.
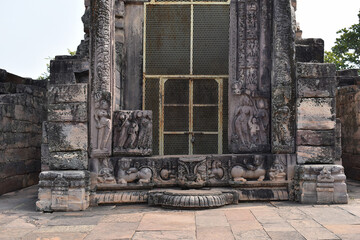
(176, 144)
(152, 103)
(168, 39)
(211, 39)
(176, 119)
(177, 91)
(206, 119)
(205, 144)
(205, 91)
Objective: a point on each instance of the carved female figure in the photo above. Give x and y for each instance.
(145, 131)
(263, 116)
(243, 116)
(125, 124)
(132, 135)
(103, 125)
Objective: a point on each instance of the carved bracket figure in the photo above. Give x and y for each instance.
(133, 132)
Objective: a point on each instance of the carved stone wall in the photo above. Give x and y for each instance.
(249, 81)
(195, 171)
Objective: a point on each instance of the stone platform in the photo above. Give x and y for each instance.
(247, 220)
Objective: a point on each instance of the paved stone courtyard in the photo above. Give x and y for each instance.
(254, 220)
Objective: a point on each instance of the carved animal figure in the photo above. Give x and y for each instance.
(127, 174)
(252, 171)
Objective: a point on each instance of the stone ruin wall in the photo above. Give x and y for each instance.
(348, 113)
(22, 111)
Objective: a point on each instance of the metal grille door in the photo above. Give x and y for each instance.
(185, 67)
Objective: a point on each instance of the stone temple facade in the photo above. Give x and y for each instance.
(191, 104)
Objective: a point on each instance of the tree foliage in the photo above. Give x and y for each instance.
(345, 53)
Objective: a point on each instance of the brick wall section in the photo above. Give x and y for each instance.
(316, 121)
(348, 111)
(22, 110)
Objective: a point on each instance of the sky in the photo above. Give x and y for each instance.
(33, 30)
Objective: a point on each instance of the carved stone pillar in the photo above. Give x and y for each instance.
(283, 78)
(101, 84)
(249, 75)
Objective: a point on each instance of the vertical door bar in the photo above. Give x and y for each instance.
(191, 116)
(161, 117)
(220, 114)
(191, 37)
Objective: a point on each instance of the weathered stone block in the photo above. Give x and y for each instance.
(310, 154)
(315, 70)
(316, 113)
(316, 87)
(67, 112)
(69, 93)
(67, 137)
(310, 50)
(315, 138)
(63, 191)
(45, 156)
(77, 160)
(320, 184)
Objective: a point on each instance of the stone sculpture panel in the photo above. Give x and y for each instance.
(132, 133)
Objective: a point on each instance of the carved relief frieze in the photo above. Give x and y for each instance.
(133, 132)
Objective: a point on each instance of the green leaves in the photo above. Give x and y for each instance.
(346, 52)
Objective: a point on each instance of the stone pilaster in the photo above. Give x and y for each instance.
(283, 78)
(101, 76)
(249, 75)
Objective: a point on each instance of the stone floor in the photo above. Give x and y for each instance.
(254, 220)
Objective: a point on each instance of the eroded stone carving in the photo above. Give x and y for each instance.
(277, 171)
(192, 172)
(103, 121)
(133, 132)
(251, 169)
(104, 169)
(216, 170)
(127, 174)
